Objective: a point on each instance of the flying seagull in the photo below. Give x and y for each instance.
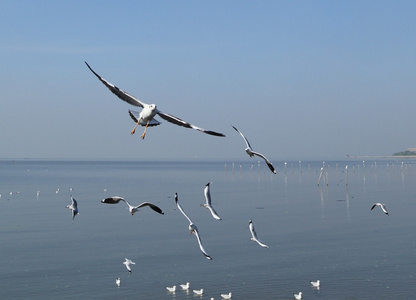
(132, 209)
(149, 111)
(382, 206)
(208, 202)
(254, 234)
(128, 263)
(192, 228)
(73, 207)
(251, 153)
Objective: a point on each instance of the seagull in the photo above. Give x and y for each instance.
(383, 207)
(251, 153)
(226, 296)
(146, 116)
(199, 292)
(127, 263)
(315, 284)
(171, 289)
(118, 282)
(254, 234)
(208, 202)
(132, 209)
(185, 286)
(298, 296)
(192, 228)
(73, 207)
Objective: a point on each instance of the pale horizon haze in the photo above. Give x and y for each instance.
(301, 79)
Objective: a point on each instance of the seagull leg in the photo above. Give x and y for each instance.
(134, 129)
(144, 133)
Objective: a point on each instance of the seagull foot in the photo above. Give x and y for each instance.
(133, 131)
(143, 135)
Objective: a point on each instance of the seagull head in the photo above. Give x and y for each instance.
(249, 152)
(192, 228)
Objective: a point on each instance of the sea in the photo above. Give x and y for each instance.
(315, 216)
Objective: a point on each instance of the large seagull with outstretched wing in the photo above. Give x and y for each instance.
(149, 111)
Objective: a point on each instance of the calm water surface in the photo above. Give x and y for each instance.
(324, 231)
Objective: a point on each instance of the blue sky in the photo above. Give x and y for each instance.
(301, 79)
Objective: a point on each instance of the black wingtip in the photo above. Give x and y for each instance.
(214, 133)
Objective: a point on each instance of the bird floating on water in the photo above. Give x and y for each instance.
(171, 289)
(208, 202)
(132, 209)
(251, 153)
(226, 296)
(118, 281)
(149, 111)
(298, 296)
(192, 228)
(382, 206)
(73, 207)
(185, 286)
(198, 292)
(315, 284)
(254, 235)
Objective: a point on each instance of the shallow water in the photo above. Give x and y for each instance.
(325, 232)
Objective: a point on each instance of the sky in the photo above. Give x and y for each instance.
(301, 79)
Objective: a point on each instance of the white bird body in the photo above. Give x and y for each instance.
(316, 283)
(251, 153)
(254, 235)
(185, 286)
(171, 289)
(226, 296)
(73, 207)
(149, 111)
(208, 202)
(118, 281)
(382, 206)
(128, 263)
(298, 296)
(132, 209)
(199, 292)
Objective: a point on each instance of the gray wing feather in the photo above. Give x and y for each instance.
(116, 91)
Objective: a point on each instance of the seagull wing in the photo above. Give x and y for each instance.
(254, 235)
(374, 205)
(152, 206)
(207, 194)
(180, 122)
(245, 139)
(112, 200)
(269, 164)
(214, 213)
(383, 208)
(208, 202)
(116, 91)
(181, 209)
(200, 243)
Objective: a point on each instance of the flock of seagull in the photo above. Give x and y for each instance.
(200, 292)
(146, 118)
